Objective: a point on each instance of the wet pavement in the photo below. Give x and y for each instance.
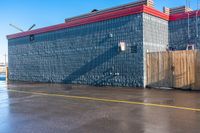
(48, 108)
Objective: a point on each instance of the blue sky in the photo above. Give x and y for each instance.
(24, 13)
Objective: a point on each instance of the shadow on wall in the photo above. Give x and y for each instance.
(106, 56)
(160, 79)
(107, 75)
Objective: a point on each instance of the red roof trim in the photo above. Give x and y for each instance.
(108, 15)
(154, 12)
(96, 18)
(82, 21)
(179, 16)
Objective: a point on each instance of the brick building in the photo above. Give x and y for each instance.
(105, 47)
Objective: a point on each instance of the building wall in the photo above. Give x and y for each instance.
(179, 37)
(85, 54)
(156, 37)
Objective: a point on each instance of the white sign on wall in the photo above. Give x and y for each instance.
(122, 46)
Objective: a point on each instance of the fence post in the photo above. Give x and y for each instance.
(7, 73)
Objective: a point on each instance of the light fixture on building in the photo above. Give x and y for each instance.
(122, 46)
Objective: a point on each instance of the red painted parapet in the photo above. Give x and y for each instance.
(95, 18)
(149, 3)
(106, 16)
(82, 21)
(154, 12)
(185, 15)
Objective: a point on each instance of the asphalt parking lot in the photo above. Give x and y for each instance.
(54, 108)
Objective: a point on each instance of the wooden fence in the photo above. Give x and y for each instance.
(177, 69)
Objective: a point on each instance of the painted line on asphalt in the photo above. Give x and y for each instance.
(107, 100)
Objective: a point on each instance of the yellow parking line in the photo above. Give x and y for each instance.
(109, 100)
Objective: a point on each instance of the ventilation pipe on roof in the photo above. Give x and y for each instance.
(94, 10)
(188, 27)
(166, 10)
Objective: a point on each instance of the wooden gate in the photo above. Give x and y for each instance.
(178, 69)
(159, 72)
(197, 68)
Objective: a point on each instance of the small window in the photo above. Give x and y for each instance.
(32, 38)
(133, 49)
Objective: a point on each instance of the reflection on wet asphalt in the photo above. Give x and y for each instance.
(32, 113)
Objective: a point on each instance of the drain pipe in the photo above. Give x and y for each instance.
(188, 13)
(197, 29)
(188, 28)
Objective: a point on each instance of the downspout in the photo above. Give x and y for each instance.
(197, 30)
(188, 28)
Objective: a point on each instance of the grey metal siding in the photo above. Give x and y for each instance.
(156, 37)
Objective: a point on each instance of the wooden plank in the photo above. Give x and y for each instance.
(197, 71)
(158, 70)
(183, 62)
(166, 71)
(193, 70)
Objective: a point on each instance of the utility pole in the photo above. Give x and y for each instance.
(197, 28)
(188, 5)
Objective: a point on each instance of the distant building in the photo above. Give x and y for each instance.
(105, 47)
(2, 68)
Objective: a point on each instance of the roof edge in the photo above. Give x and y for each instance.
(106, 16)
(186, 15)
(82, 21)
